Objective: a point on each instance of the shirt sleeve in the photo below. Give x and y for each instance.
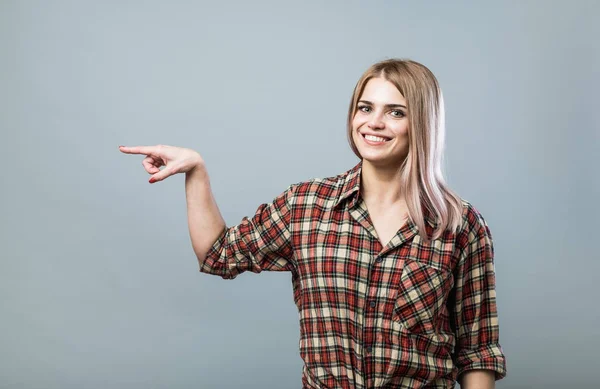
(262, 242)
(476, 318)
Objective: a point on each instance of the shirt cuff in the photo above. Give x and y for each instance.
(488, 357)
(215, 262)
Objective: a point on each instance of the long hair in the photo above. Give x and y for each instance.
(421, 172)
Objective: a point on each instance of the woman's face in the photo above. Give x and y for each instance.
(380, 124)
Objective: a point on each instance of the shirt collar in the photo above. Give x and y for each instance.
(350, 188)
(350, 184)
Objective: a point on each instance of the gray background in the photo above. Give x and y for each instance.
(99, 286)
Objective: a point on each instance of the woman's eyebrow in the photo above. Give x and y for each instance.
(387, 105)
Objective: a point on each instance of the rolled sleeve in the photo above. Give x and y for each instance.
(262, 242)
(476, 318)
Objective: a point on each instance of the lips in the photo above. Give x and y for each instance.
(372, 138)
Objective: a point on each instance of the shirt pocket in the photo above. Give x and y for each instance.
(421, 296)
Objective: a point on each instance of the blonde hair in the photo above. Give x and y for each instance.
(421, 172)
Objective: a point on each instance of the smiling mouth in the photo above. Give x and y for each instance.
(375, 139)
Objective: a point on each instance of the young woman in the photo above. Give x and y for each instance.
(393, 273)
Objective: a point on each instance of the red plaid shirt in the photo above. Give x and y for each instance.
(408, 315)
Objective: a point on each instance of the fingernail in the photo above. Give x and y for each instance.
(152, 180)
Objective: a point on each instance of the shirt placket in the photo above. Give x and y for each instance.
(369, 303)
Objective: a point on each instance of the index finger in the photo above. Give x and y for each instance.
(146, 150)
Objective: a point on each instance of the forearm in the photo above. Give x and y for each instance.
(205, 222)
(478, 379)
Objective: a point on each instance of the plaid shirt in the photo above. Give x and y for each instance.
(411, 314)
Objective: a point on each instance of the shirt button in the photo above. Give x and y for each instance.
(369, 349)
(379, 259)
(372, 304)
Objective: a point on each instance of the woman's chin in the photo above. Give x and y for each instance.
(375, 160)
(383, 161)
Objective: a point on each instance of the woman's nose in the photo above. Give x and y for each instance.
(376, 123)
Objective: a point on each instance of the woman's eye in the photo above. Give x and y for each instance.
(398, 114)
(364, 108)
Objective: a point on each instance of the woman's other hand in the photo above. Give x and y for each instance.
(174, 159)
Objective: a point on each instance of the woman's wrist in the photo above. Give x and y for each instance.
(198, 170)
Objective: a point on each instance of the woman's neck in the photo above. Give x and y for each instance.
(381, 185)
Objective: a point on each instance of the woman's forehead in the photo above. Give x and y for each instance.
(381, 91)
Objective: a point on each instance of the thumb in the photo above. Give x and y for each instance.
(161, 175)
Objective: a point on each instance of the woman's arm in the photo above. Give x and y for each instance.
(204, 218)
(475, 313)
(478, 379)
(205, 222)
(262, 242)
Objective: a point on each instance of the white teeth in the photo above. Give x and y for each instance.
(375, 138)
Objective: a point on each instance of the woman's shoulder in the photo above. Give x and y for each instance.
(315, 184)
(327, 189)
(473, 221)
